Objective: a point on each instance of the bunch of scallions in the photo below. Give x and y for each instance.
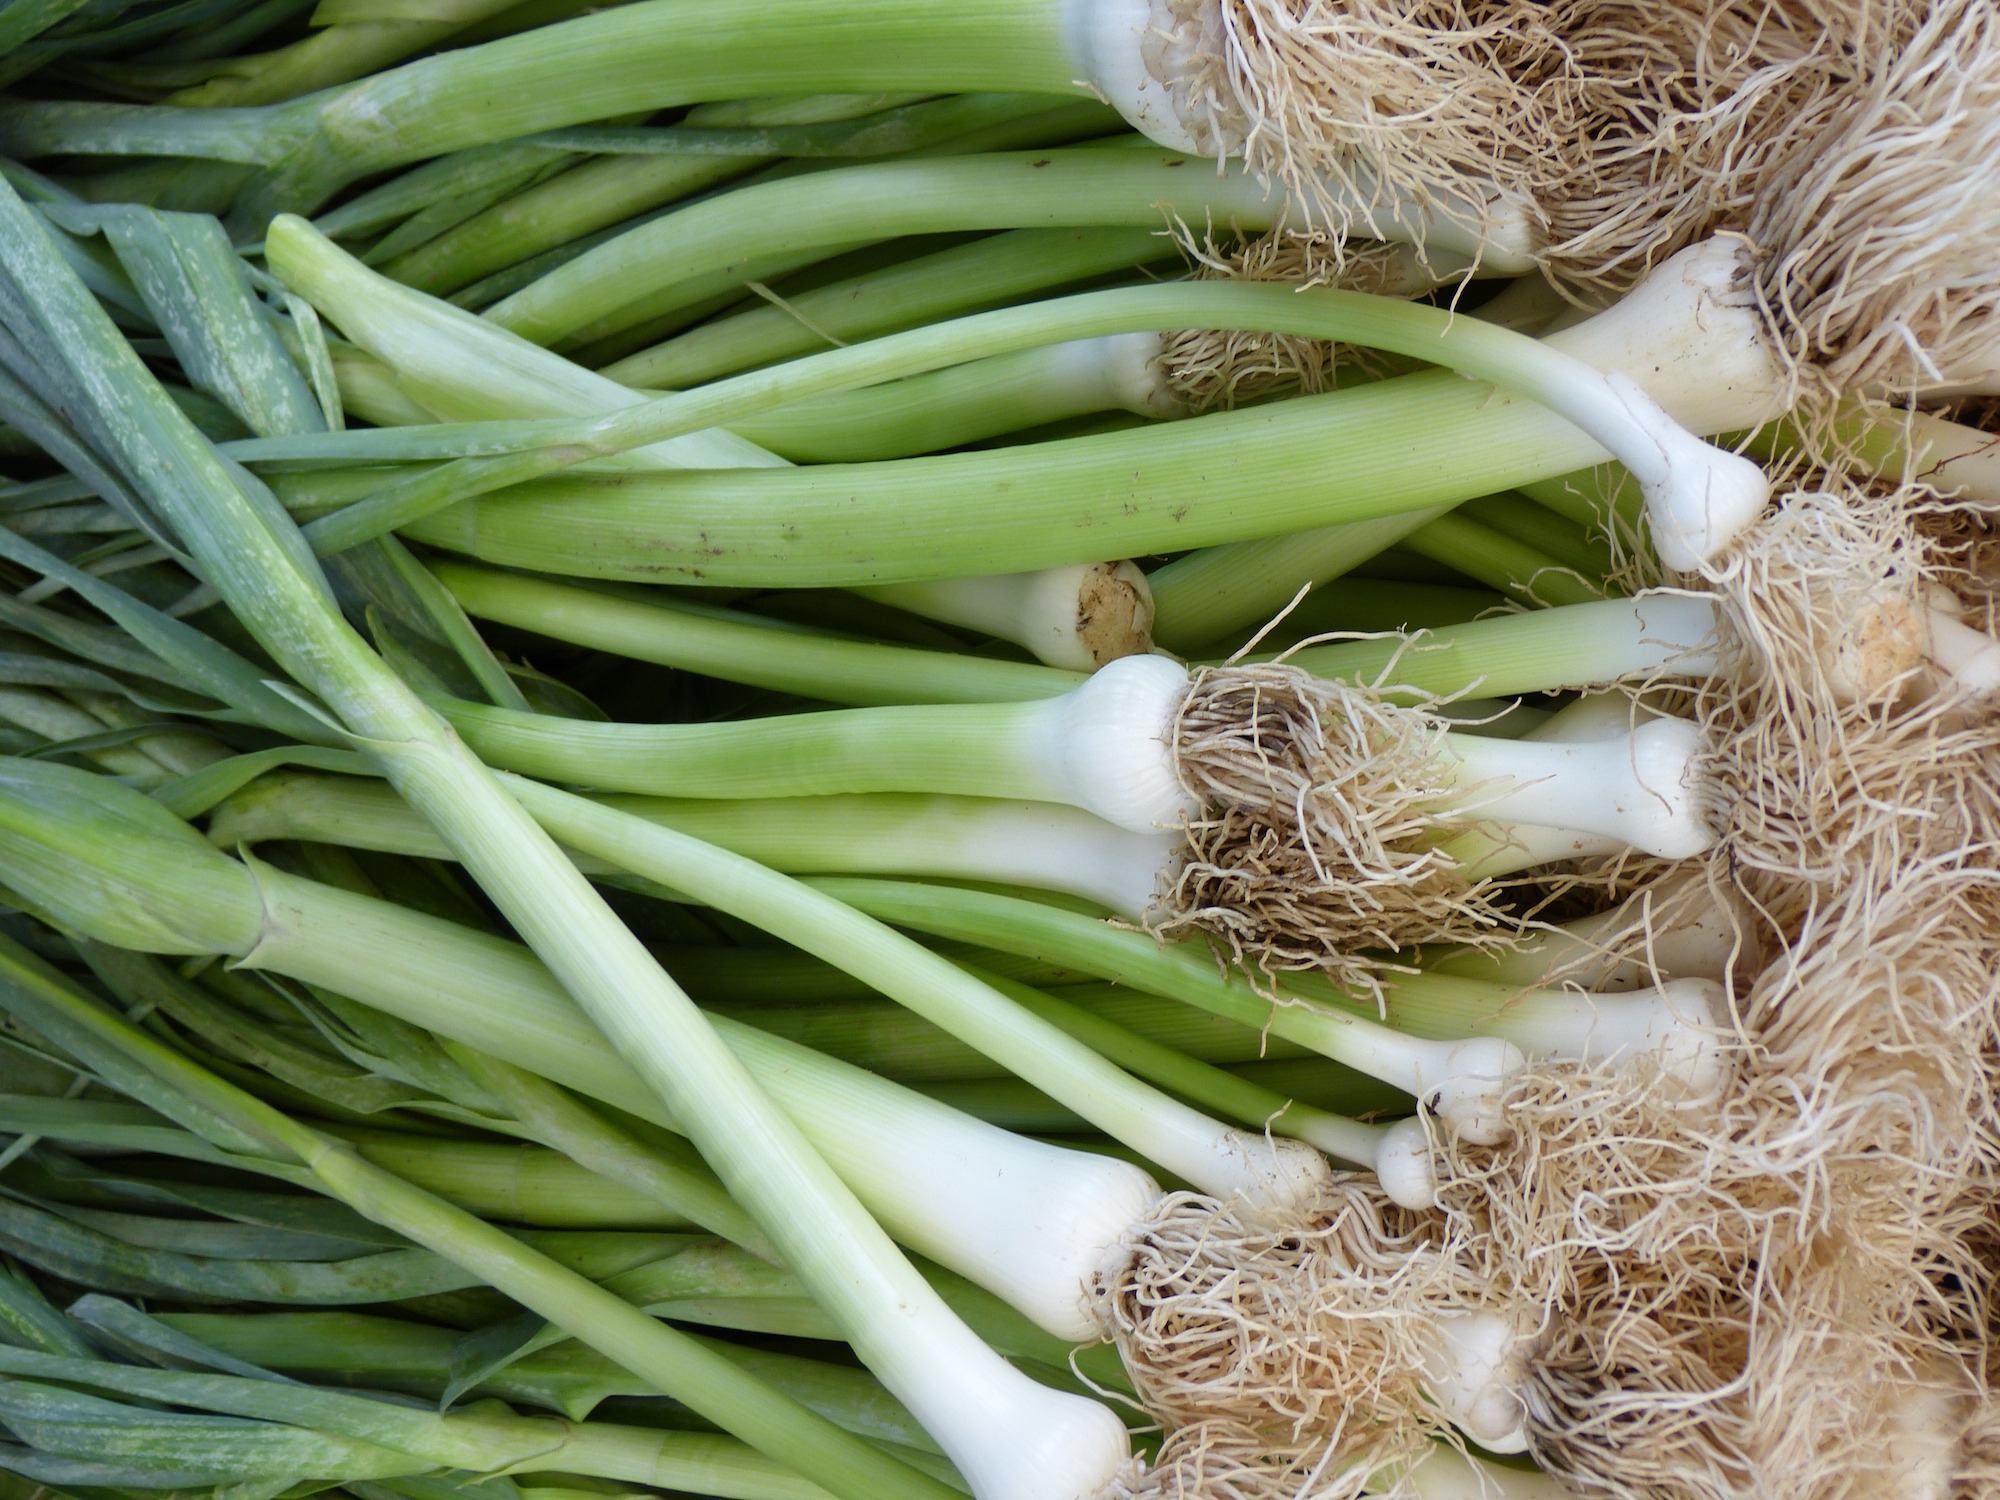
(1112, 750)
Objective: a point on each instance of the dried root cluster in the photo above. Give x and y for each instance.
(1779, 1282)
(1789, 1288)
(1316, 847)
(1300, 1349)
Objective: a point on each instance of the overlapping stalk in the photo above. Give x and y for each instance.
(1417, 1089)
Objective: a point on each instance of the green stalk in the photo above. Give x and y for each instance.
(962, 838)
(745, 648)
(967, 750)
(920, 125)
(335, 53)
(61, 723)
(964, 404)
(597, 194)
(262, 569)
(447, 213)
(675, 1364)
(659, 54)
(886, 1039)
(447, 179)
(1487, 556)
(458, 366)
(502, 1177)
(623, 282)
(76, 839)
(1363, 604)
(1575, 545)
(609, 1154)
(780, 976)
(1311, 1014)
(1123, 494)
(516, 1184)
(250, 137)
(989, 272)
(1314, 461)
(1549, 650)
(396, 1354)
(1199, 1083)
(688, 302)
(974, 750)
(477, 1441)
(1180, 1139)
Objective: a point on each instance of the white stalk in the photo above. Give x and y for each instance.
(1127, 369)
(460, 367)
(1679, 1025)
(1953, 458)
(1006, 1435)
(1407, 1176)
(1690, 334)
(1497, 848)
(1707, 367)
(1659, 631)
(1475, 1369)
(1042, 845)
(1104, 746)
(1699, 944)
(1266, 1175)
(1641, 789)
(1077, 617)
(1463, 1083)
(1403, 1165)
(1039, 1226)
(1030, 1222)
(1691, 337)
(1493, 849)
(1968, 659)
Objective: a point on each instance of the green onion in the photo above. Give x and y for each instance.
(980, 1409)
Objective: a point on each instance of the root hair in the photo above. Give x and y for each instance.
(1313, 847)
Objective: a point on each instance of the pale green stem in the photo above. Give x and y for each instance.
(1290, 464)
(655, 55)
(951, 283)
(674, 1363)
(602, 193)
(618, 284)
(262, 569)
(1498, 561)
(1310, 1013)
(744, 648)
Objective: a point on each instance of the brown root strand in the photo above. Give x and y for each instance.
(1219, 1460)
(1879, 267)
(1309, 1339)
(1717, 1398)
(1691, 107)
(1313, 847)
(1390, 100)
(1840, 756)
